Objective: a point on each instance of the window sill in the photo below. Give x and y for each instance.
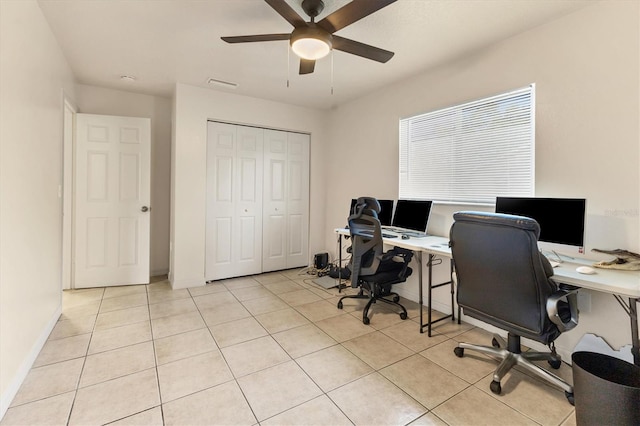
(464, 203)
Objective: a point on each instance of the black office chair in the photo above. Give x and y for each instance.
(503, 280)
(373, 271)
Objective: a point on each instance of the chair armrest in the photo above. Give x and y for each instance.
(400, 252)
(571, 293)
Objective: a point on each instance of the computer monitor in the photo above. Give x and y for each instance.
(386, 211)
(412, 214)
(561, 220)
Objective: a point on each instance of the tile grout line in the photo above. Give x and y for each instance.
(155, 357)
(84, 362)
(270, 334)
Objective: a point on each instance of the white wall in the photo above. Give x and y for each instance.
(193, 107)
(586, 69)
(97, 100)
(33, 73)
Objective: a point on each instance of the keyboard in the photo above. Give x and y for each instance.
(402, 231)
(384, 235)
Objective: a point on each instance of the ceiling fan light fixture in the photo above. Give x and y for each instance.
(311, 43)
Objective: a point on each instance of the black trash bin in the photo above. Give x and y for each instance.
(606, 390)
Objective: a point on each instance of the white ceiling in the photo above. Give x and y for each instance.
(162, 42)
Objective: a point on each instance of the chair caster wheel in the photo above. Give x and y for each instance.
(495, 343)
(495, 387)
(555, 363)
(570, 398)
(340, 305)
(459, 352)
(365, 320)
(396, 299)
(403, 315)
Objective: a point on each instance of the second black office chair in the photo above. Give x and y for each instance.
(504, 280)
(373, 271)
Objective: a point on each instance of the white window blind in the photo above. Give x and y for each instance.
(470, 153)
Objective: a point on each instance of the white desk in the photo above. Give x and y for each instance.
(620, 284)
(431, 245)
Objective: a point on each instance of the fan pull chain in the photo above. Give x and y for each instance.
(332, 71)
(288, 63)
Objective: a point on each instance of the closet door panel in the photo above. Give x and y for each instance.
(223, 242)
(234, 201)
(275, 203)
(220, 221)
(248, 206)
(298, 200)
(296, 237)
(276, 242)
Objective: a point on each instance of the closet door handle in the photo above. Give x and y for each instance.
(144, 209)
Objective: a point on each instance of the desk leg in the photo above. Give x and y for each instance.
(632, 311)
(635, 341)
(430, 287)
(431, 256)
(453, 305)
(419, 258)
(339, 263)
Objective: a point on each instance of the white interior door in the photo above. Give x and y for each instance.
(297, 200)
(274, 247)
(234, 201)
(112, 197)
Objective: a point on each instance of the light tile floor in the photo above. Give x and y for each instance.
(271, 349)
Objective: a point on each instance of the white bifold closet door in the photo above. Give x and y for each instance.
(234, 201)
(286, 200)
(257, 217)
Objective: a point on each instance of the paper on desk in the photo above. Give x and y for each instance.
(593, 343)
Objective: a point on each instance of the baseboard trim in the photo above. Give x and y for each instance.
(194, 282)
(21, 374)
(159, 272)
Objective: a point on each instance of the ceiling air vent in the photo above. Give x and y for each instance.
(222, 83)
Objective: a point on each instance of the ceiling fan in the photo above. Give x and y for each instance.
(314, 40)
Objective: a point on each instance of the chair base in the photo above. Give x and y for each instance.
(373, 299)
(510, 356)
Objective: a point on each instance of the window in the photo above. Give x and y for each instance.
(470, 153)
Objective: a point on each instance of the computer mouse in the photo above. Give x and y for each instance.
(405, 237)
(585, 270)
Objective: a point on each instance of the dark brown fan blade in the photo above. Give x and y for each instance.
(253, 38)
(287, 12)
(351, 13)
(307, 66)
(361, 49)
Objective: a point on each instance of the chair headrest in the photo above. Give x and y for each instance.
(520, 222)
(367, 203)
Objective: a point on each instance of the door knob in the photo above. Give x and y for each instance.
(144, 209)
